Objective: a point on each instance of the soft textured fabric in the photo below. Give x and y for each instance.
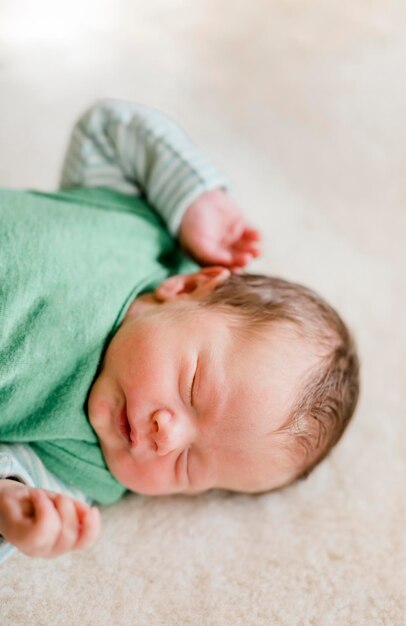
(70, 264)
(137, 150)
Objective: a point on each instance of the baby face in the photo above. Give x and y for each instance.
(184, 402)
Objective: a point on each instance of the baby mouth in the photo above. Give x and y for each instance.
(129, 433)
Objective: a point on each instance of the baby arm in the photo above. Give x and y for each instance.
(39, 513)
(45, 524)
(137, 150)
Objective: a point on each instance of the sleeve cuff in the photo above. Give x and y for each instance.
(176, 211)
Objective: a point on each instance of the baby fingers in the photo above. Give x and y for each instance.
(69, 525)
(248, 243)
(239, 259)
(244, 251)
(45, 524)
(90, 525)
(36, 533)
(252, 234)
(80, 525)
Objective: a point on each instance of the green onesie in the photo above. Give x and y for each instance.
(71, 262)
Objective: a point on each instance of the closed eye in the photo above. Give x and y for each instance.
(190, 390)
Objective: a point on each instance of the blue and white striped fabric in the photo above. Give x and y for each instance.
(137, 150)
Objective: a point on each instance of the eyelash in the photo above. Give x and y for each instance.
(190, 390)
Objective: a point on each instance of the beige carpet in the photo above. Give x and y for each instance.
(303, 104)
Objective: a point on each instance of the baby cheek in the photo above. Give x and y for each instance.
(155, 477)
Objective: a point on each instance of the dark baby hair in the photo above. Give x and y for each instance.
(328, 399)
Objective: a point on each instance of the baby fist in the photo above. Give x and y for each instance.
(44, 524)
(214, 232)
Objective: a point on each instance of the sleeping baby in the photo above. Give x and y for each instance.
(135, 353)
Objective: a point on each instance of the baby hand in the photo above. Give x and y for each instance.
(44, 524)
(214, 232)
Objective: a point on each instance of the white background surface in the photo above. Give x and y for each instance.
(302, 103)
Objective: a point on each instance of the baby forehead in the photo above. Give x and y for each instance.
(264, 376)
(279, 351)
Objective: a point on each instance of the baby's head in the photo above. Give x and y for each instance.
(241, 382)
(324, 399)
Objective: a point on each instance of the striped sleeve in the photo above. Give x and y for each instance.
(20, 462)
(138, 150)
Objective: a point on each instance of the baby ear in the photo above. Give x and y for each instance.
(193, 286)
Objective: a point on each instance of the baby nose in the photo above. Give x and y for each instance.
(170, 432)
